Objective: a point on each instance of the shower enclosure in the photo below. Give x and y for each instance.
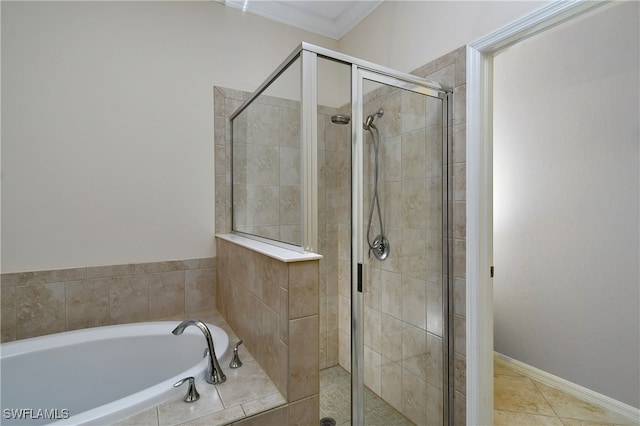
(350, 160)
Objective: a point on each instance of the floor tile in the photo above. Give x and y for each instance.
(508, 418)
(570, 407)
(519, 394)
(573, 422)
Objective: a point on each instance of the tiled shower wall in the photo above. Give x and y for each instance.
(333, 200)
(403, 295)
(45, 302)
(334, 239)
(450, 70)
(267, 169)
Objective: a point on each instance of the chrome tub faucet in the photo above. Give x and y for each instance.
(214, 372)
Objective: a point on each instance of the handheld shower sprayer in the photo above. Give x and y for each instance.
(380, 245)
(368, 123)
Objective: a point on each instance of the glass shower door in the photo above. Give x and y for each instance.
(400, 285)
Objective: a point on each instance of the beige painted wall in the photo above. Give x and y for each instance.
(107, 154)
(405, 35)
(566, 188)
(107, 125)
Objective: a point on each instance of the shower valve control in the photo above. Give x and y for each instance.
(192, 393)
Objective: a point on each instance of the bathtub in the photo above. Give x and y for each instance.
(100, 375)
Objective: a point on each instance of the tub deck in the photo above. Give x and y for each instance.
(248, 391)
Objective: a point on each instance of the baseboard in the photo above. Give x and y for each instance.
(631, 413)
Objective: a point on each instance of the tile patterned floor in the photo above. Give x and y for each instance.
(518, 401)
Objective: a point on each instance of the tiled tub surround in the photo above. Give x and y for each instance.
(45, 302)
(273, 306)
(247, 393)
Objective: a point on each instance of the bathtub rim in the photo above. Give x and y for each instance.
(122, 408)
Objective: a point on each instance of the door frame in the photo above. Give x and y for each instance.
(479, 194)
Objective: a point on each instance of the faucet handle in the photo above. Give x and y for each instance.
(235, 361)
(192, 393)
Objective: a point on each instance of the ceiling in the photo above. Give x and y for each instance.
(329, 18)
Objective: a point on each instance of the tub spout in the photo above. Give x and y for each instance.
(214, 372)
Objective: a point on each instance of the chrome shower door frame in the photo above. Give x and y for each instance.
(359, 256)
(360, 70)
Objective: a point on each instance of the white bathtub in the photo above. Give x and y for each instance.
(100, 375)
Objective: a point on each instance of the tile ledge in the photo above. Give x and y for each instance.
(278, 253)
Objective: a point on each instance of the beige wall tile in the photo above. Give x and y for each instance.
(303, 357)
(8, 310)
(372, 328)
(460, 374)
(127, 296)
(414, 391)
(414, 301)
(434, 405)
(129, 299)
(434, 360)
(254, 283)
(392, 294)
(283, 382)
(147, 268)
(434, 308)
(305, 412)
(199, 289)
(166, 293)
(459, 332)
(303, 289)
(87, 303)
(61, 275)
(284, 316)
(273, 275)
(392, 389)
(414, 253)
(414, 350)
(40, 309)
(18, 279)
(460, 409)
(272, 350)
(181, 265)
(391, 338)
(373, 370)
(108, 271)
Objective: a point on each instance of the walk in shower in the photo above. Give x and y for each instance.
(348, 159)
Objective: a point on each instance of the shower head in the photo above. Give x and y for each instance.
(340, 119)
(368, 123)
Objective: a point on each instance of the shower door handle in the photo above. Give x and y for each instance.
(360, 277)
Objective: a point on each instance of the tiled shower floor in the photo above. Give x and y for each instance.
(335, 401)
